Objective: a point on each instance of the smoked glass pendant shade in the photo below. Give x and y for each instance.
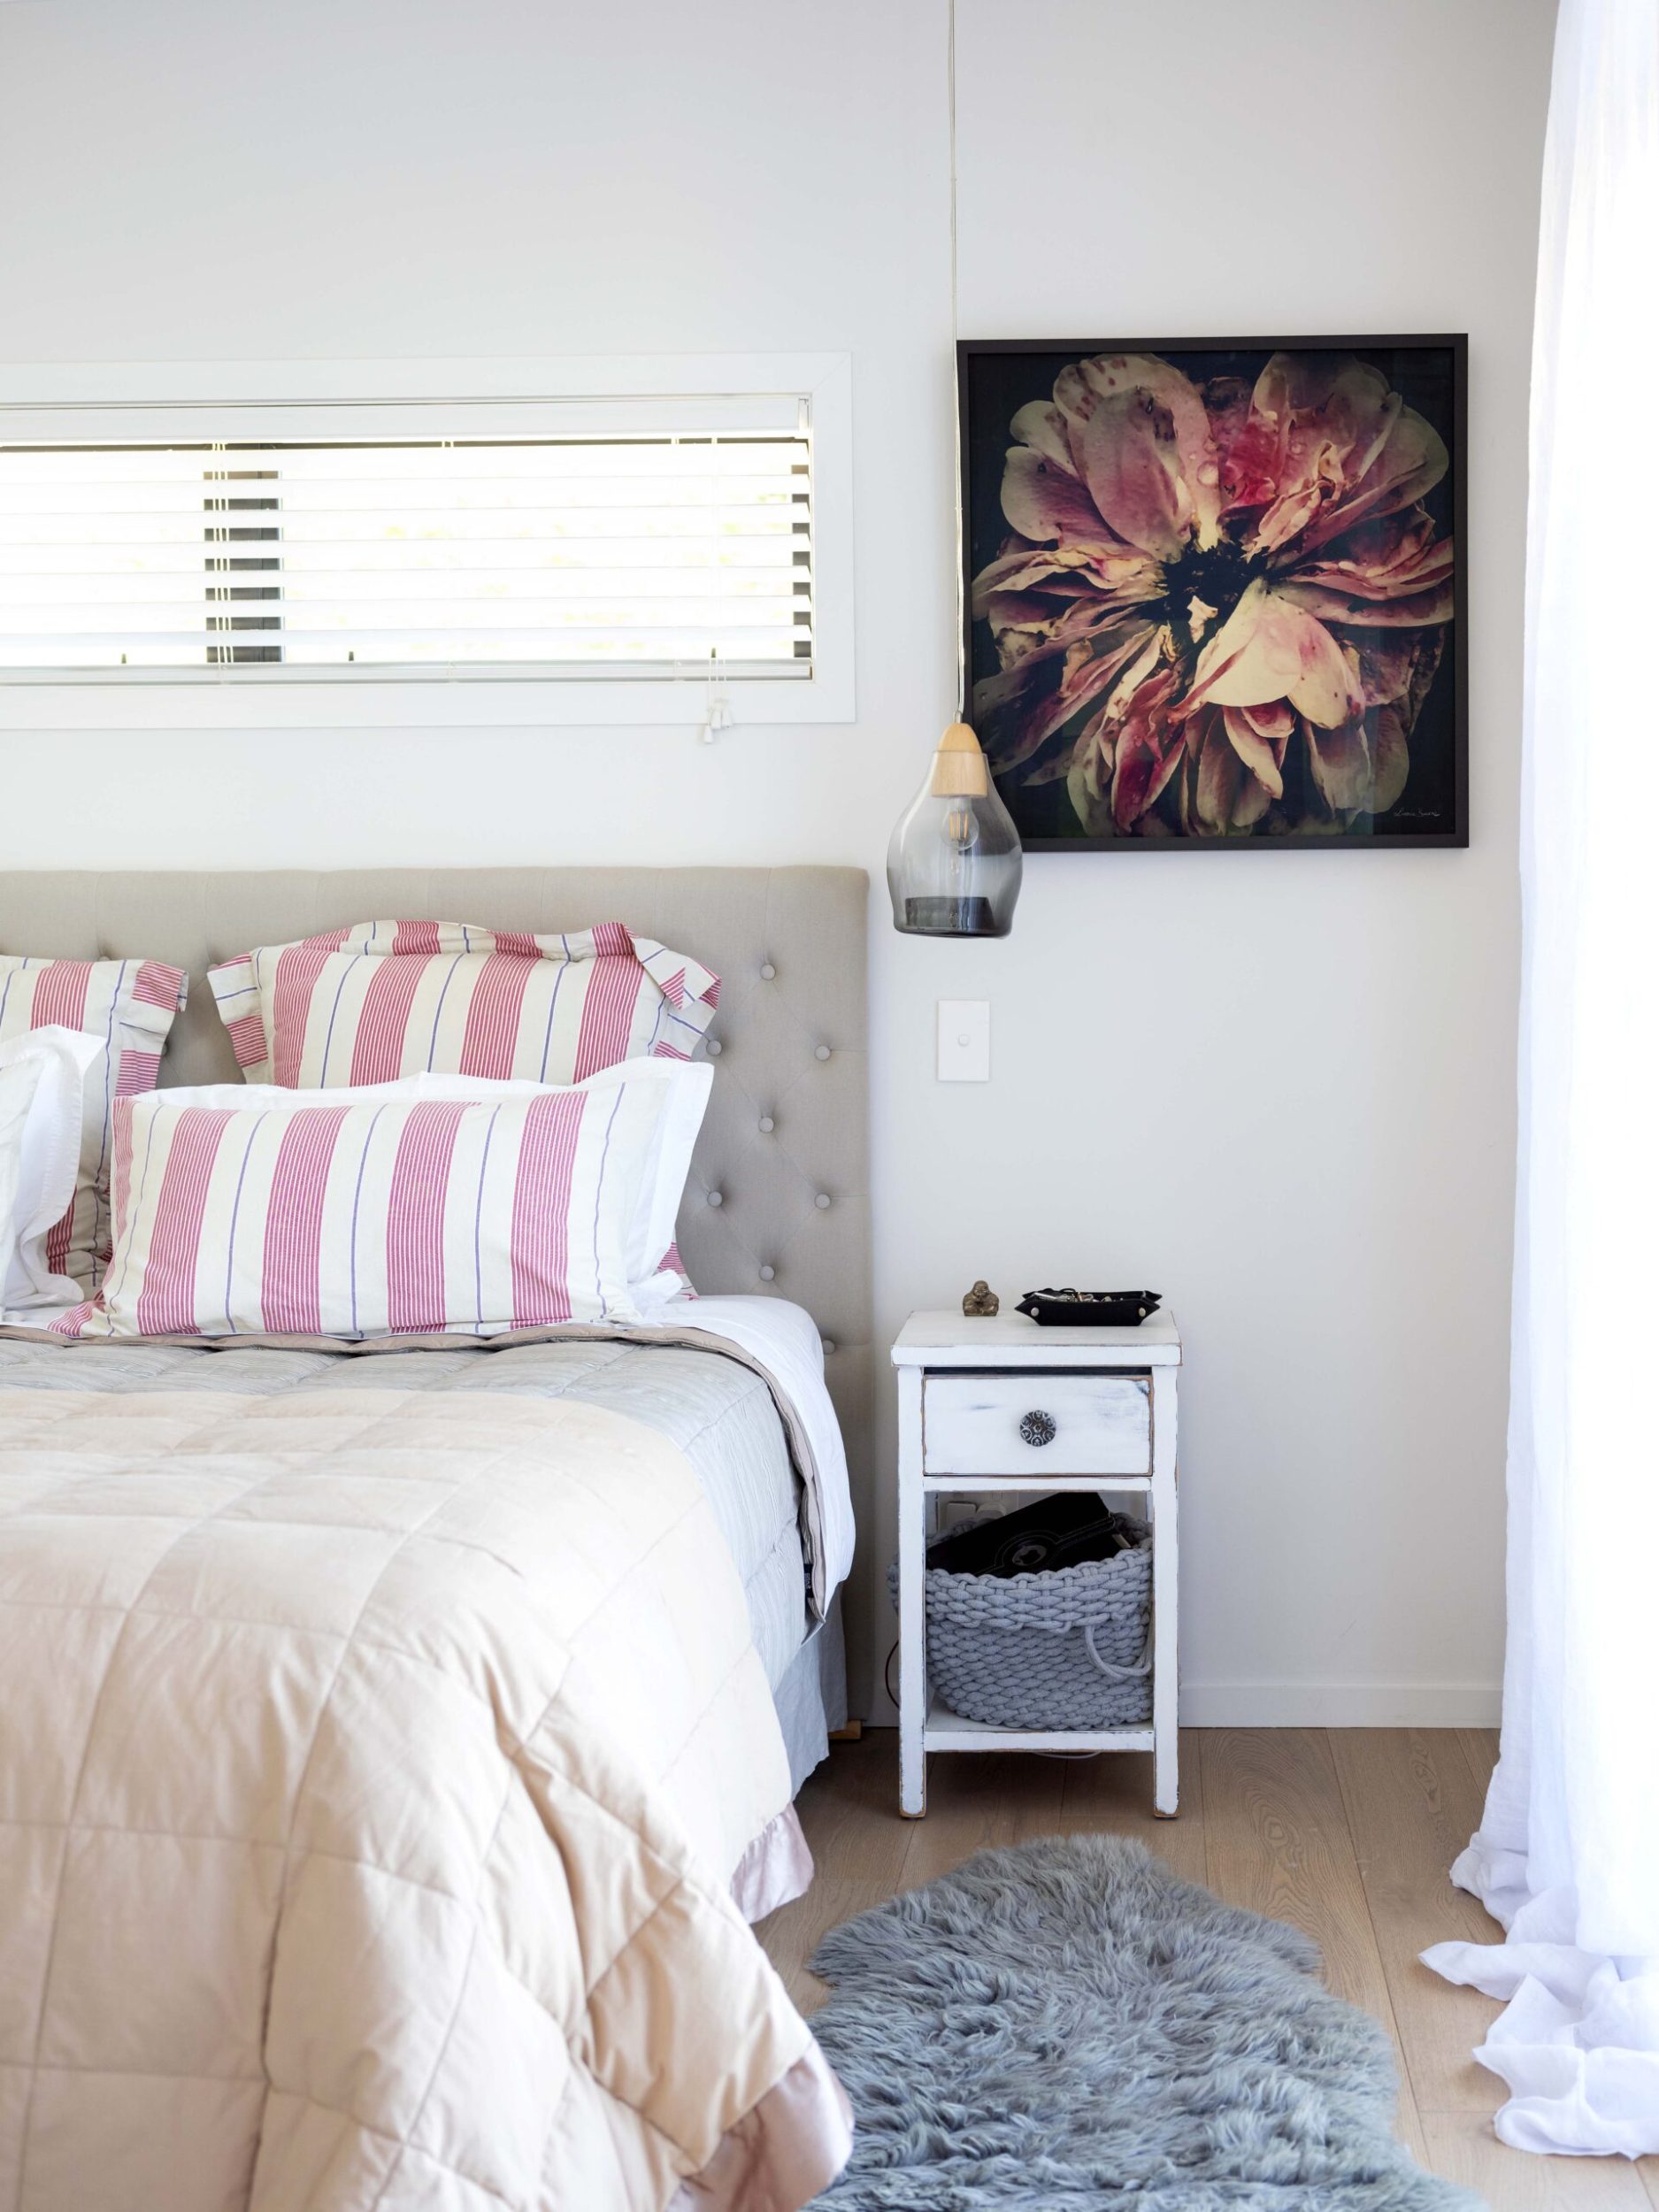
(954, 861)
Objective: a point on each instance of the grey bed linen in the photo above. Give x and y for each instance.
(718, 1412)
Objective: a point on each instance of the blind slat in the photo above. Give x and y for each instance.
(723, 494)
(298, 619)
(190, 650)
(477, 587)
(208, 532)
(49, 572)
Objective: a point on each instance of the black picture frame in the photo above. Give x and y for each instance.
(993, 373)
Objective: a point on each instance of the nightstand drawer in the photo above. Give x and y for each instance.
(1054, 1423)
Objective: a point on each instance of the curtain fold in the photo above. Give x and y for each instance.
(1567, 1856)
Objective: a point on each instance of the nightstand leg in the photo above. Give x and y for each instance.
(912, 1626)
(1165, 1601)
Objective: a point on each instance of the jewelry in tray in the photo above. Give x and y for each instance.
(1088, 1308)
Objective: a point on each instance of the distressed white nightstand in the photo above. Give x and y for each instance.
(1110, 1396)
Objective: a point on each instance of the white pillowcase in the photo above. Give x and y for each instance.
(43, 1082)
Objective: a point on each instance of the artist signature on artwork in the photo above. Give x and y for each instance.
(1416, 814)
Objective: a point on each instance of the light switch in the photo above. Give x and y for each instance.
(964, 1040)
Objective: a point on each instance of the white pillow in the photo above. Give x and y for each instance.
(663, 1186)
(19, 1087)
(43, 1081)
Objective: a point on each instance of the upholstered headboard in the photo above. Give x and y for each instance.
(781, 1176)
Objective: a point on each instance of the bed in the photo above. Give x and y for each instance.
(692, 1622)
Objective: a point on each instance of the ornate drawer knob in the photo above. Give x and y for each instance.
(1037, 1429)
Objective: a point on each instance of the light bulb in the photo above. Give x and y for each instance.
(962, 835)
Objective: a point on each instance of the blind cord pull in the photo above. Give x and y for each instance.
(718, 716)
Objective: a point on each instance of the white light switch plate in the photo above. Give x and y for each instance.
(964, 1040)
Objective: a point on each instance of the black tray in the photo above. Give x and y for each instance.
(1088, 1308)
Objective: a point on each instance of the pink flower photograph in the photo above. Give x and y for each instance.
(1215, 591)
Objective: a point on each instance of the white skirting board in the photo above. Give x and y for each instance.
(1340, 1704)
(1317, 1705)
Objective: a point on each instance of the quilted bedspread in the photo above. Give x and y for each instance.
(372, 1768)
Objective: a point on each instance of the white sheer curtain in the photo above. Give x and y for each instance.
(1568, 1853)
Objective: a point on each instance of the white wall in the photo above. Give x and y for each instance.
(1277, 1086)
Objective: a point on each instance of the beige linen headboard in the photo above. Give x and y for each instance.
(788, 943)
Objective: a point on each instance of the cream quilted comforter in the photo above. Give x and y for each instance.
(373, 1770)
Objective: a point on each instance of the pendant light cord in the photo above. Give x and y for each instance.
(956, 429)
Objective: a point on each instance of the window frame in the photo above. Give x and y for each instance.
(132, 401)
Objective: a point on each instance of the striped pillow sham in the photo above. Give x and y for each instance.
(129, 1005)
(380, 1000)
(365, 1213)
(656, 1272)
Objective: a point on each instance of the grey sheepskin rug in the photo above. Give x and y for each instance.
(1067, 2024)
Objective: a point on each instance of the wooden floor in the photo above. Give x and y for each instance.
(1347, 1833)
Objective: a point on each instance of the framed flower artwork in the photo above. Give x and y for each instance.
(1214, 589)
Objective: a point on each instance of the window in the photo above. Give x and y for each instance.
(643, 554)
(635, 542)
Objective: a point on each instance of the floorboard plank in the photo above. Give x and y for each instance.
(1463, 2147)
(1480, 1748)
(850, 1810)
(978, 1800)
(1412, 1805)
(1277, 1840)
(1112, 1795)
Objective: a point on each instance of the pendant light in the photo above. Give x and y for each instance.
(954, 861)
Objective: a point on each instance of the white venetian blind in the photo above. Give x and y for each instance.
(643, 554)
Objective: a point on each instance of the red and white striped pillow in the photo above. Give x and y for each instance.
(380, 1000)
(130, 1005)
(373, 1214)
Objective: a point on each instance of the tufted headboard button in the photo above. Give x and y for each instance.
(766, 1125)
(822, 1053)
(822, 1201)
(713, 1047)
(767, 972)
(716, 1198)
(828, 1344)
(766, 1274)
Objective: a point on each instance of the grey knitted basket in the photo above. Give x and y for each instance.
(1066, 1649)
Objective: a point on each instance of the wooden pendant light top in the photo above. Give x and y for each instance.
(959, 770)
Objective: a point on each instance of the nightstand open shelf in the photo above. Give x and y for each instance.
(945, 1730)
(1004, 1406)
